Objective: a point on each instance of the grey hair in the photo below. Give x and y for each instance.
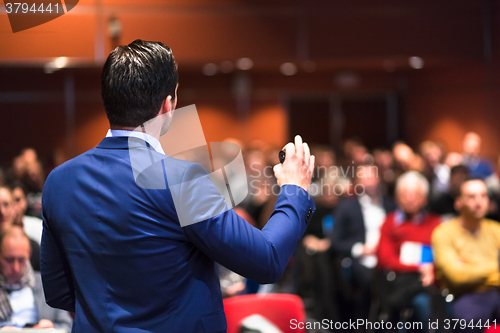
(412, 177)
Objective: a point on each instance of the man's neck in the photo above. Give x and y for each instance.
(122, 128)
(470, 224)
(127, 128)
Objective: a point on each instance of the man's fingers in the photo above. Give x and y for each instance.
(307, 154)
(299, 147)
(312, 159)
(290, 150)
(299, 165)
(277, 170)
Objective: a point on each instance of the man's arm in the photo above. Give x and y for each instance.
(56, 274)
(261, 255)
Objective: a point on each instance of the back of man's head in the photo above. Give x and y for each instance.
(135, 81)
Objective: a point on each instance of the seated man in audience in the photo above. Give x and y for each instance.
(21, 294)
(32, 225)
(7, 216)
(354, 239)
(478, 167)
(466, 255)
(445, 204)
(404, 250)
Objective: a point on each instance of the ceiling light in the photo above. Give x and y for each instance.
(288, 68)
(226, 66)
(416, 62)
(209, 69)
(61, 62)
(244, 64)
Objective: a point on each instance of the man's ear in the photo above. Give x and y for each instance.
(166, 106)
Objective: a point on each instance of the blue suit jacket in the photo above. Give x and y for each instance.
(115, 253)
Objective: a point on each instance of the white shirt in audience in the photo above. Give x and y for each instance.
(373, 217)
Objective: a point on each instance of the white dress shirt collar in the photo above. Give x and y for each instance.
(153, 142)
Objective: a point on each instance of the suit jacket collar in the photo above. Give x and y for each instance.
(122, 142)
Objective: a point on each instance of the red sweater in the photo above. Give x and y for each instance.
(393, 235)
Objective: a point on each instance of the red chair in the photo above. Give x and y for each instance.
(280, 309)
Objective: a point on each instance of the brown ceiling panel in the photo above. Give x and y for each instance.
(215, 37)
(71, 35)
(451, 29)
(336, 34)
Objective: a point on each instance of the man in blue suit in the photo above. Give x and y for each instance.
(116, 253)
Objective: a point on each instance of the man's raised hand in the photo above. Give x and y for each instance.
(298, 166)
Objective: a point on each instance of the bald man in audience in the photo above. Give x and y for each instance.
(22, 302)
(466, 255)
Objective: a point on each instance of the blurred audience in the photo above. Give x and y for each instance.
(404, 157)
(324, 162)
(7, 215)
(471, 147)
(354, 240)
(22, 301)
(384, 160)
(260, 180)
(354, 153)
(444, 205)
(466, 254)
(315, 267)
(354, 229)
(436, 172)
(32, 225)
(28, 169)
(404, 252)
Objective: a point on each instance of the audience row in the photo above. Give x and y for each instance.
(396, 236)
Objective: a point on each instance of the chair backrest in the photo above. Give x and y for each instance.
(283, 310)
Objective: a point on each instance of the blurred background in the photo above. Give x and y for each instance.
(392, 84)
(379, 71)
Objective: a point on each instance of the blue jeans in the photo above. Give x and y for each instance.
(476, 306)
(421, 305)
